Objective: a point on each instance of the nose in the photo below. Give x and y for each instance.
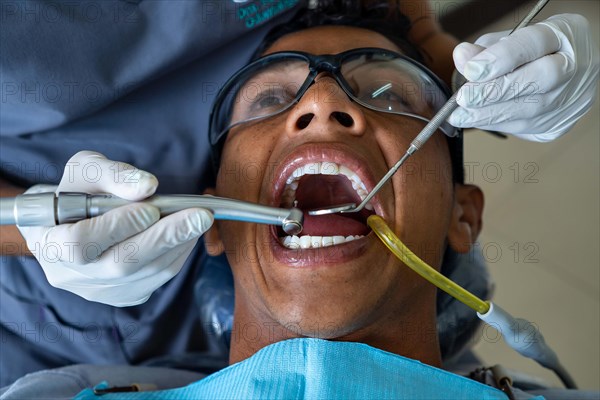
(325, 107)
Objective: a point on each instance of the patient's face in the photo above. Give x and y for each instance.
(353, 286)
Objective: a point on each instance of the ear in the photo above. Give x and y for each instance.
(212, 240)
(466, 217)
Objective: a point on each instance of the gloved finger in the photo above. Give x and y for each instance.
(544, 131)
(538, 108)
(85, 241)
(32, 236)
(163, 268)
(131, 255)
(537, 77)
(464, 117)
(523, 46)
(527, 118)
(65, 278)
(92, 172)
(136, 288)
(491, 38)
(463, 53)
(498, 113)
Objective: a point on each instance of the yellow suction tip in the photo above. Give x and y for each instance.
(395, 245)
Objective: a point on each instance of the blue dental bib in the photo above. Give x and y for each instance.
(314, 368)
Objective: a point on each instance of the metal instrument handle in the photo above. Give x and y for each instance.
(48, 209)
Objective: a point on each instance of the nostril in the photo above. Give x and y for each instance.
(304, 120)
(343, 118)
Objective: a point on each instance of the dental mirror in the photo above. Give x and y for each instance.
(340, 208)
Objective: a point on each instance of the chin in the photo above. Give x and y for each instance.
(328, 319)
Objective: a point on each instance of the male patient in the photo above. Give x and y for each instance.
(336, 281)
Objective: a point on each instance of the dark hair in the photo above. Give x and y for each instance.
(377, 16)
(381, 16)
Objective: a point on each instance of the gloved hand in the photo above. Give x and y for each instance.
(121, 257)
(534, 84)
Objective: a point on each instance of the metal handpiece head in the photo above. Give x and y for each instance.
(292, 225)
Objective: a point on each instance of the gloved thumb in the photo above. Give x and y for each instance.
(463, 53)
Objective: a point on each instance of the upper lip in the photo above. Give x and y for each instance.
(320, 152)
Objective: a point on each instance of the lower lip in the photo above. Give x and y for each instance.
(318, 257)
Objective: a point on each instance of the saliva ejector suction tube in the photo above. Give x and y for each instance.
(520, 334)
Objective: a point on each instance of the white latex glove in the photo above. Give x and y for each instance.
(534, 84)
(121, 257)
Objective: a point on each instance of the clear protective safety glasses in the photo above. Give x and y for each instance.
(377, 79)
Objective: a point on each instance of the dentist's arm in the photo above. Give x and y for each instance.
(121, 257)
(429, 37)
(534, 84)
(11, 241)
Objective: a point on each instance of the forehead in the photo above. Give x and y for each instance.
(331, 40)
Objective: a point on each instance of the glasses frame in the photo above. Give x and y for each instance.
(328, 63)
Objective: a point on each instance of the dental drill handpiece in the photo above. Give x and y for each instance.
(440, 117)
(49, 209)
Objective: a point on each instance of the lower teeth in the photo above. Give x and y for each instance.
(313, 242)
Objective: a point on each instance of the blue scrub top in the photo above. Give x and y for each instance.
(133, 80)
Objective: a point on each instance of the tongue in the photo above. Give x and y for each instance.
(318, 191)
(332, 225)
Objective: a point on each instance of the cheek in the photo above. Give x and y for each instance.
(240, 249)
(423, 191)
(394, 135)
(243, 173)
(244, 164)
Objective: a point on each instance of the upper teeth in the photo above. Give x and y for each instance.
(314, 242)
(324, 168)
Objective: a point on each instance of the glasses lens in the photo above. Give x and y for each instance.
(268, 89)
(390, 84)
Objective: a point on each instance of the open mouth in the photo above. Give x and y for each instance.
(317, 185)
